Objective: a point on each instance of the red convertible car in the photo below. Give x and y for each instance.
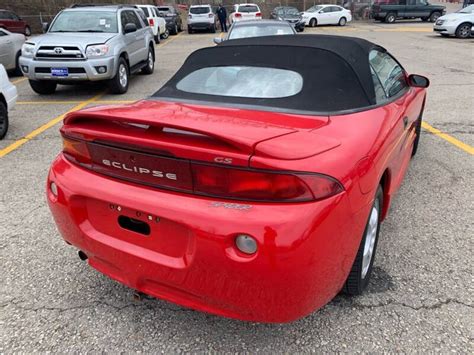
(252, 184)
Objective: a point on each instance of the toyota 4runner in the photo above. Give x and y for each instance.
(90, 43)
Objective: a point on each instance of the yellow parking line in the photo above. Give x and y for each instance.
(17, 81)
(170, 39)
(461, 145)
(15, 145)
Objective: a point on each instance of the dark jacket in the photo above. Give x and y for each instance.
(221, 12)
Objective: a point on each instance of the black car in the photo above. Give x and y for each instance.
(289, 14)
(174, 23)
(391, 10)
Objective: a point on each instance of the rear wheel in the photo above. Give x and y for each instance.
(119, 83)
(434, 16)
(27, 31)
(3, 120)
(313, 22)
(391, 18)
(17, 71)
(165, 34)
(43, 87)
(157, 39)
(174, 30)
(150, 65)
(359, 276)
(342, 21)
(464, 30)
(213, 29)
(190, 30)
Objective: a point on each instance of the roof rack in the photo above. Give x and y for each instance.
(74, 6)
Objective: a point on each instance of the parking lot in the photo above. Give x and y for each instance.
(420, 298)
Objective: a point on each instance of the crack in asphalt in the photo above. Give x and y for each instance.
(436, 305)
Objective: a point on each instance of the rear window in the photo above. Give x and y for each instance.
(248, 8)
(242, 81)
(145, 10)
(199, 10)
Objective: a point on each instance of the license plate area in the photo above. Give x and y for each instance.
(60, 72)
(134, 225)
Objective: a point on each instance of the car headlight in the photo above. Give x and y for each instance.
(28, 50)
(97, 50)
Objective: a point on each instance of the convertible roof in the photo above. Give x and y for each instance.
(335, 71)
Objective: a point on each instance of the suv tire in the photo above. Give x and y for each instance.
(150, 62)
(174, 30)
(165, 34)
(119, 83)
(27, 32)
(434, 16)
(43, 87)
(463, 30)
(213, 29)
(391, 17)
(3, 120)
(157, 39)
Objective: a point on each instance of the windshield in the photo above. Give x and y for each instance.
(199, 10)
(248, 8)
(314, 8)
(242, 81)
(260, 31)
(467, 10)
(85, 21)
(291, 11)
(165, 10)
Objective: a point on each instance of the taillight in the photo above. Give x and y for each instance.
(152, 22)
(198, 178)
(211, 15)
(76, 150)
(258, 14)
(237, 14)
(258, 185)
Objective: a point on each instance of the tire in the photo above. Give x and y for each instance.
(391, 17)
(190, 30)
(119, 83)
(434, 16)
(359, 275)
(3, 120)
(157, 39)
(150, 66)
(213, 29)
(313, 22)
(165, 34)
(27, 31)
(17, 71)
(342, 21)
(174, 31)
(463, 30)
(43, 87)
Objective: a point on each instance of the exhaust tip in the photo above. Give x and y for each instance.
(82, 255)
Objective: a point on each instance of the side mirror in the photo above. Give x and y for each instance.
(129, 28)
(217, 40)
(418, 81)
(45, 26)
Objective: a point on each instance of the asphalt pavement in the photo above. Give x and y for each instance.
(421, 295)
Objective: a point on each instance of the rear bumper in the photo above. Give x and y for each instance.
(200, 24)
(305, 251)
(81, 70)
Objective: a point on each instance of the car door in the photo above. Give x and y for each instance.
(400, 100)
(403, 9)
(134, 45)
(324, 16)
(335, 15)
(7, 52)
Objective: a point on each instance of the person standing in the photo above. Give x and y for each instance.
(222, 16)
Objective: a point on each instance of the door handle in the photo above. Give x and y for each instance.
(405, 122)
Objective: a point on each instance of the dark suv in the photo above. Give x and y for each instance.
(391, 10)
(174, 24)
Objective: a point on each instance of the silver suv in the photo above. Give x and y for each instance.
(90, 43)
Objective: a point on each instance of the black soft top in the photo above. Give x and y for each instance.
(335, 70)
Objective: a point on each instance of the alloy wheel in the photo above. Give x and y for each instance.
(370, 238)
(123, 75)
